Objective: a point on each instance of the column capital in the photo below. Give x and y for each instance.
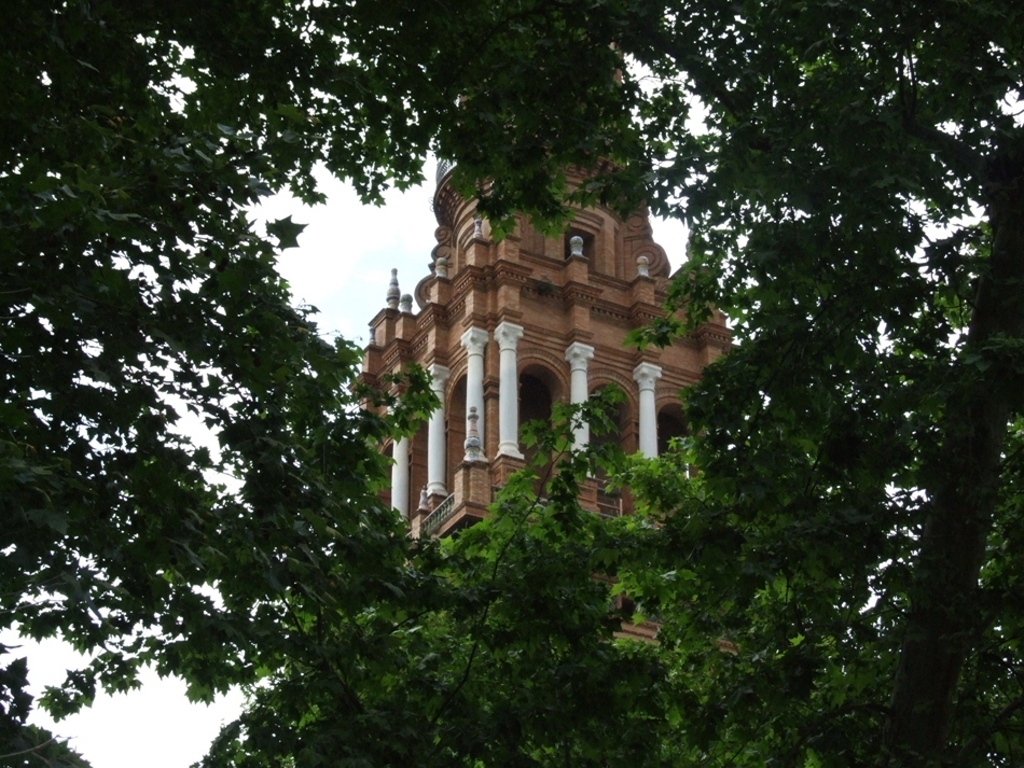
(578, 355)
(438, 377)
(474, 340)
(646, 374)
(508, 335)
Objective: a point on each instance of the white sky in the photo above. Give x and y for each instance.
(342, 267)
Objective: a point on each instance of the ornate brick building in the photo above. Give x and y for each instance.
(508, 328)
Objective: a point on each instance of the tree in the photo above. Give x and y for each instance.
(37, 746)
(856, 207)
(139, 307)
(857, 211)
(500, 650)
(839, 585)
(138, 301)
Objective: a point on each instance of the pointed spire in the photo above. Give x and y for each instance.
(393, 292)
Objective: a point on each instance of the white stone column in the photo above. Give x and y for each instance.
(508, 335)
(436, 468)
(645, 375)
(578, 355)
(400, 477)
(474, 341)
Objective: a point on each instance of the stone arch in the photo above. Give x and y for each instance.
(599, 377)
(553, 365)
(458, 371)
(538, 392)
(455, 424)
(540, 387)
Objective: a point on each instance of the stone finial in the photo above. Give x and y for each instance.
(373, 336)
(643, 265)
(423, 507)
(405, 304)
(478, 228)
(576, 246)
(441, 267)
(474, 447)
(393, 292)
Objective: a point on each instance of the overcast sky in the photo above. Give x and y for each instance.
(342, 267)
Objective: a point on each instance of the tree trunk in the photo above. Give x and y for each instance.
(963, 489)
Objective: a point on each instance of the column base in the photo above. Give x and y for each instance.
(510, 449)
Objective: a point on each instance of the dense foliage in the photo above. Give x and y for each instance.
(33, 746)
(839, 585)
(140, 308)
(858, 210)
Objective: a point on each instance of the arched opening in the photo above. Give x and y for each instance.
(671, 426)
(621, 431)
(538, 391)
(534, 400)
(417, 468)
(455, 417)
(616, 432)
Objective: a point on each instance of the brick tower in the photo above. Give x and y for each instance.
(506, 329)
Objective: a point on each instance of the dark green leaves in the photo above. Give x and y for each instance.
(286, 231)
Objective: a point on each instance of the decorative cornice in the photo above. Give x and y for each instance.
(470, 276)
(580, 293)
(642, 314)
(398, 351)
(432, 314)
(419, 343)
(611, 310)
(709, 334)
(510, 272)
(455, 309)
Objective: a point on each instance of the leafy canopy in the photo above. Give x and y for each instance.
(141, 307)
(840, 583)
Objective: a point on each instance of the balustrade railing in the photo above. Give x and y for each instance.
(433, 522)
